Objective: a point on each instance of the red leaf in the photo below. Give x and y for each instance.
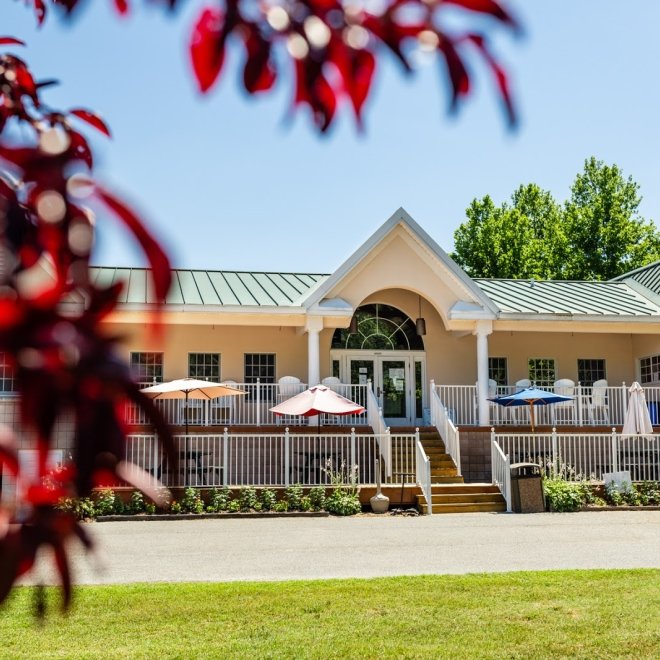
(80, 149)
(458, 75)
(313, 89)
(259, 74)
(207, 48)
(160, 265)
(356, 68)
(92, 119)
(11, 41)
(121, 6)
(501, 78)
(491, 7)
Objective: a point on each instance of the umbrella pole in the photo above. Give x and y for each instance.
(185, 443)
(531, 413)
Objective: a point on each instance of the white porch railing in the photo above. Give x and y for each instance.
(585, 455)
(377, 422)
(423, 473)
(277, 459)
(605, 409)
(501, 470)
(249, 410)
(448, 432)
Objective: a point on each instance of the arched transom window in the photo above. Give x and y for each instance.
(379, 328)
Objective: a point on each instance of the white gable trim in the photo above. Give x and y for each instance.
(462, 283)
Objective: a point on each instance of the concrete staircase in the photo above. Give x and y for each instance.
(449, 493)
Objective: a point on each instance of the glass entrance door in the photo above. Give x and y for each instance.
(391, 381)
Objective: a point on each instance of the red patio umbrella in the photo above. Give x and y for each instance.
(316, 401)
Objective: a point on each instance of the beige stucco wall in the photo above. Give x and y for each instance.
(450, 356)
(232, 342)
(565, 349)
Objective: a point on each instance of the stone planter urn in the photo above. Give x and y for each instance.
(379, 503)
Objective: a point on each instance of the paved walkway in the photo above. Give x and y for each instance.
(293, 548)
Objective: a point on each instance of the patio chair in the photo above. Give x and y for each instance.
(223, 407)
(492, 393)
(598, 406)
(520, 414)
(335, 384)
(564, 410)
(288, 386)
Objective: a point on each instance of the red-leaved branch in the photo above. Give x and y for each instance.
(332, 46)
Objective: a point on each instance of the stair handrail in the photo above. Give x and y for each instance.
(501, 469)
(448, 432)
(423, 472)
(376, 420)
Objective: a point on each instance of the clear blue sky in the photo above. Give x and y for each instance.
(228, 185)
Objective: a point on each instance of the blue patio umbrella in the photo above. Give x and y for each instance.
(530, 396)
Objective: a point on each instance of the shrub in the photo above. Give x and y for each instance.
(82, 509)
(268, 499)
(247, 498)
(649, 492)
(305, 503)
(234, 506)
(317, 498)
(191, 502)
(175, 507)
(219, 500)
(343, 502)
(564, 495)
(293, 495)
(282, 506)
(136, 503)
(105, 502)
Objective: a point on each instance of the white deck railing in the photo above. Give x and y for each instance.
(460, 402)
(448, 432)
(277, 459)
(585, 455)
(377, 422)
(501, 470)
(423, 473)
(249, 410)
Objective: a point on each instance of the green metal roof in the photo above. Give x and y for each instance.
(648, 276)
(208, 287)
(570, 298)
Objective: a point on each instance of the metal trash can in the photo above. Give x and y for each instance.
(526, 488)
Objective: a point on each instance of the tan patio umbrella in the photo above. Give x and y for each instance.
(190, 388)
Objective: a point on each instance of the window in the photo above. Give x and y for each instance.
(335, 368)
(204, 366)
(497, 370)
(261, 366)
(649, 369)
(379, 328)
(589, 371)
(147, 368)
(541, 371)
(7, 383)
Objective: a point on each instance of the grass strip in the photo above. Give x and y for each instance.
(548, 614)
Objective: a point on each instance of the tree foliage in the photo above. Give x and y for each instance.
(596, 234)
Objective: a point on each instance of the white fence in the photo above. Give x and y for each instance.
(249, 410)
(585, 455)
(606, 408)
(423, 473)
(501, 469)
(441, 419)
(278, 459)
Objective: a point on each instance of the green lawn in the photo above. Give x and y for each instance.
(589, 614)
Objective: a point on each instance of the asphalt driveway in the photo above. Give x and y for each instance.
(211, 550)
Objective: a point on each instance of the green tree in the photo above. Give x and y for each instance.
(606, 234)
(596, 235)
(523, 238)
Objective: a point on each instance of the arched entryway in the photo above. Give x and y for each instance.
(386, 350)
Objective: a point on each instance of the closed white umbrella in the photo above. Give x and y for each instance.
(637, 420)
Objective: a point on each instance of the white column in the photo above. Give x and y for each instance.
(482, 330)
(313, 327)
